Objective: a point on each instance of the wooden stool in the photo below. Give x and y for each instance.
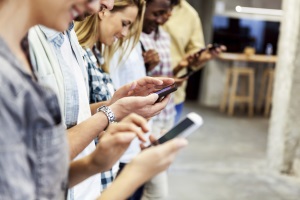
(231, 89)
(266, 90)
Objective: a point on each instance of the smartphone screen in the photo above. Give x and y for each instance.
(175, 131)
(164, 90)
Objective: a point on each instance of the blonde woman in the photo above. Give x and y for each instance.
(110, 29)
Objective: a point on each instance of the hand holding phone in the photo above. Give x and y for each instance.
(195, 57)
(188, 74)
(211, 48)
(165, 91)
(183, 129)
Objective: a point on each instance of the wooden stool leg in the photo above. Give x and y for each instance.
(269, 95)
(251, 94)
(226, 91)
(262, 91)
(243, 92)
(233, 91)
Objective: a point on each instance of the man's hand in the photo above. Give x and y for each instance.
(115, 141)
(141, 87)
(199, 60)
(151, 59)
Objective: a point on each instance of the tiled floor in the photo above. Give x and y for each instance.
(225, 160)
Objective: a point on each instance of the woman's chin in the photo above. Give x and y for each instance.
(109, 42)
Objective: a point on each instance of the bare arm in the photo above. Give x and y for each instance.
(131, 98)
(142, 168)
(111, 146)
(146, 165)
(81, 135)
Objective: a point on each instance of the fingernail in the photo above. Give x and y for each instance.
(132, 86)
(181, 142)
(147, 127)
(153, 94)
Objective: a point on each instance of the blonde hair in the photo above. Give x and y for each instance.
(88, 31)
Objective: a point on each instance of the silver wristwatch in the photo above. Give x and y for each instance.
(108, 112)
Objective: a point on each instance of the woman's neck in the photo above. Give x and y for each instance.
(91, 47)
(15, 21)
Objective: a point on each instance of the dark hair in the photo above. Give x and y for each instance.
(173, 2)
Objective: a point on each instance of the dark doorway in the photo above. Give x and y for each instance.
(193, 89)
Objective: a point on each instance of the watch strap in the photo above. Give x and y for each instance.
(108, 112)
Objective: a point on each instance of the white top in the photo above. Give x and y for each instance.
(90, 188)
(130, 68)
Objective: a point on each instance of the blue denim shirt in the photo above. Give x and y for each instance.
(71, 98)
(34, 156)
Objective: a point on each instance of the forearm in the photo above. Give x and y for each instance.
(177, 69)
(81, 135)
(80, 170)
(126, 183)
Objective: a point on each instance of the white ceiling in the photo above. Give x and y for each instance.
(272, 4)
(227, 8)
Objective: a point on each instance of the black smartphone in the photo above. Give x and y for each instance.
(165, 91)
(183, 129)
(213, 47)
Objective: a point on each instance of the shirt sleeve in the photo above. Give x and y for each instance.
(196, 41)
(16, 179)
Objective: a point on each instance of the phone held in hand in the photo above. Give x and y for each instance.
(184, 128)
(188, 74)
(190, 71)
(212, 48)
(165, 91)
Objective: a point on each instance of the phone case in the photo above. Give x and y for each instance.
(165, 91)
